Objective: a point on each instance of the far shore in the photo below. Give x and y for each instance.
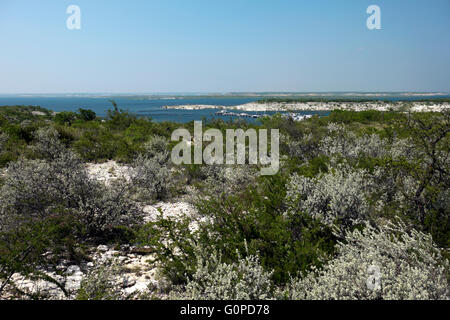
(413, 106)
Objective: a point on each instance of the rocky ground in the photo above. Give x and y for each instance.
(108, 171)
(138, 276)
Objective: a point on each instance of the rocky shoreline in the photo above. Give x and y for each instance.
(325, 106)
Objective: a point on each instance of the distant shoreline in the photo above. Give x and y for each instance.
(414, 106)
(344, 95)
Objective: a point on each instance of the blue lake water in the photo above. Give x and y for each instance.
(151, 106)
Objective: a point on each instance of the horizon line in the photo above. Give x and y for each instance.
(226, 93)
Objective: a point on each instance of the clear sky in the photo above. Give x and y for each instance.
(224, 46)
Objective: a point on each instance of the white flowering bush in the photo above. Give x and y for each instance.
(389, 263)
(227, 179)
(404, 148)
(370, 146)
(150, 171)
(343, 142)
(304, 147)
(217, 179)
(242, 280)
(35, 188)
(211, 172)
(157, 147)
(151, 177)
(338, 196)
(47, 144)
(393, 187)
(347, 144)
(108, 208)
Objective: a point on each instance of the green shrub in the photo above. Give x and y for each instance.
(96, 144)
(66, 117)
(119, 119)
(255, 217)
(86, 114)
(35, 245)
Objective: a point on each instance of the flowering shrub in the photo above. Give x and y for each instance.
(345, 143)
(336, 197)
(410, 267)
(227, 179)
(37, 188)
(157, 147)
(302, 147)
(47, 144)
(242, 280)
(108, 208)
(404, 149)
(150, 171)
(151, 177)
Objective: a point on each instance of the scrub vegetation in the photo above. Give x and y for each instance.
(358, 210)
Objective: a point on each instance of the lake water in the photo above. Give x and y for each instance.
(151, 106)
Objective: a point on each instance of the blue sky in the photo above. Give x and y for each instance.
(223, 46)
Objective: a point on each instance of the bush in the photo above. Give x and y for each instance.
(157, 147)
(338, 197)
(150, 171)
(97, 144)
(34, 189)
(151, 177)
(251, 221)
(242, 280)
(33, 246)
(226, 180)
(366, 116)
(66, 117)
(47, 144)
(301, 146)
(3, 139)
(120, 119)
(107, 209)
(11, 146)
(86, 114)
(389, 263)
(342, 142)
(101, 283)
